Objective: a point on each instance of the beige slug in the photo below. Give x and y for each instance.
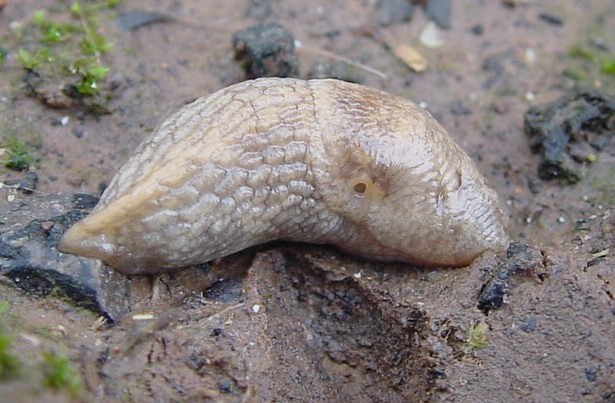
(321, 161)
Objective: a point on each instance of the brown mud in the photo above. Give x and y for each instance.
(305, 323)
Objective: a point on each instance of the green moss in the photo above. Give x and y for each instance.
(18, 155)
(477, 337)
(9, 364)
(608, 66)
(595, 62)
(60, 374)
(69, 51)
(580, 52)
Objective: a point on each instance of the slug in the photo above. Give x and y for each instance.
(319, 161)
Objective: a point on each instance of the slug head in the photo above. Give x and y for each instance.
(421, 201)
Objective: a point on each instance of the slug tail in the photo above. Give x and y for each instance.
(83, 240)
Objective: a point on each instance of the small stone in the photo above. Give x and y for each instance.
(394, 11)
(459, 109)
(439, 11)
(551, 19)
(225, 386)
(477, 30)
(431, 36)
(591, 374)
(62, 121)
(530, 324)
(529, 56)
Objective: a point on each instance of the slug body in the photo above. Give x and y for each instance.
(320, 161)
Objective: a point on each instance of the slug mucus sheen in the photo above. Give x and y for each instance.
(320, 161)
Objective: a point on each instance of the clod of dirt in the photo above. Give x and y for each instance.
(520, 258)
(439, 11)
(28, 257)
(266, 50)
(569, 132)
(394, 11)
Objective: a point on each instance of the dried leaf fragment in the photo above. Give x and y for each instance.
(411, 58)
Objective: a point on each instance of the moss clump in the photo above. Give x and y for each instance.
(65, 50)
(594, 63)
(60, 374)
(18, 155)
(9, 364)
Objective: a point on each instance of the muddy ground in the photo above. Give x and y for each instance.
(306, 323)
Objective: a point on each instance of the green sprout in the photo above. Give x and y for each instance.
(477, 337)
(60, 374)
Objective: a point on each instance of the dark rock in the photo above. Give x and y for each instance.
(492, 296)
(439, 11)
(459, 109)
(27, 184)
(551, 19)
(494, 65)
(520, 258)
(477, 30)
(30, 259)
(591, 374)
(84, 201)
(225, 291)
(266, 50)
(225, 386)
(394, 11)
(565, 130)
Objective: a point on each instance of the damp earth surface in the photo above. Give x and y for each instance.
(526, 89)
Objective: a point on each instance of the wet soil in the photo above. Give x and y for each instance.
(305, 323)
